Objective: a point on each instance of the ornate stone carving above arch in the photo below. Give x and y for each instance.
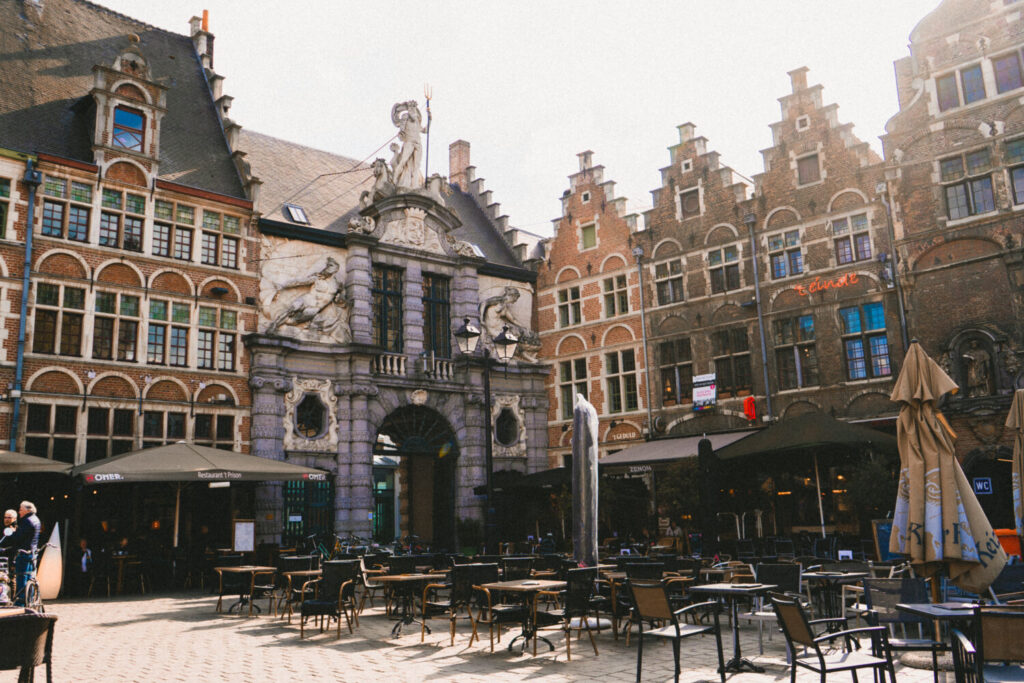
(509, 418)
(325, 442)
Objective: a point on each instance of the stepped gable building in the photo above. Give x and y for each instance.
(119, 186)
(955, 170)
(366, 272)
(589, 314)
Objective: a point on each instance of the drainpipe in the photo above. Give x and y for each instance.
(638, 252)
(883, 193)
(750, 219)
(32, 180)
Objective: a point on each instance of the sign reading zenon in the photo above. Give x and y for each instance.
(819, 285)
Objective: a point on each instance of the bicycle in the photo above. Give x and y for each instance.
(33, 597)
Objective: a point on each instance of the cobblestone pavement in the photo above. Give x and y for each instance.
(179, 637)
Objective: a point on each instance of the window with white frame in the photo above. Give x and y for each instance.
(216, 337)
(129, 129)
(724, 267)
(851, 236)
(865, 345)
(803, 122)
(731, 351)
(50, 431)
(795, 355)
(588, 236)
(167, 340)
(784, 254)
(122, 219)
(620, 381)
(66, 209)
(216, 430)
(569, 307)
(675, 361)
(572, 380)
(218, 247)
(967, 183)
(115, 332)
(808, 169)
(1009, 75)
(616, 296)
(1013, 157)
(689, 203)
(668, 281)
(5, 196)
(57, 325)
(172, 230)
(963, 86)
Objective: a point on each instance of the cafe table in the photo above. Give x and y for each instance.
(244, 594)
(291, 576)
(525, 590)
(406, 587)
(733, 592)
(831, 584)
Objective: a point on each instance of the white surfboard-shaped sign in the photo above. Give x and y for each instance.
(51, 566)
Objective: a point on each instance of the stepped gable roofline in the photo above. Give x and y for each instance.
(47, 55)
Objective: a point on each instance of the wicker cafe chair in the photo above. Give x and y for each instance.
(293, 563)
(999, 641)
(27, 642)
(515, 568)
(798, 632)
(651, 603)
(334, 595)
(264, 585)
(460, 597)
(576, 611)
(488, 612)
(371, 586)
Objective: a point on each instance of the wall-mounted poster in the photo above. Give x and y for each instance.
(704, 392)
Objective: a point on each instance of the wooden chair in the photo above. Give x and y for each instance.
(460, 597)
(27, 642)
(798, 631)
(334, 596)
(651, 603)
(577, 611)
(489, 612)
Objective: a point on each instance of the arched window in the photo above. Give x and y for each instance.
(128, 128)
(310, 417)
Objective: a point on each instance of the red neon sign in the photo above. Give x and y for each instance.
(819, 285)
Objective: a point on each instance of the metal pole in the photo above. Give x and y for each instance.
(905, 335)
(638, 252)
(750, 219)
(32, 179)
(817, 485)
(488, 458)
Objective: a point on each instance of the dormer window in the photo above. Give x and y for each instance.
(296, 214)
(128, 128)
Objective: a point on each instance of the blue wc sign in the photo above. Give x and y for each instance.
(982, 485)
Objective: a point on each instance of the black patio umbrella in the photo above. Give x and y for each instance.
(184, 462)
(12, 462)
(811, 432)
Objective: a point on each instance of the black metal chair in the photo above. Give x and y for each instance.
(460, 597)
(786, 576)
(577, 611)
(798, 631)
(651, 603)
(489, 612)
(27, 642)
(965, 658)
(334, 595)
(642, 571)
(785, 549)
(516, 568)
(880, 599)
(294, 594)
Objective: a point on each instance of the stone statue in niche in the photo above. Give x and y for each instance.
(321, 313)
(977, 365)
(405, 164)
(498, 312)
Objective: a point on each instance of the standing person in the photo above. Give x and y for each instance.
(25, 540)
(10, 524)
(81, 568)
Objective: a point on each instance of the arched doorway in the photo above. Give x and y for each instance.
(424, 443)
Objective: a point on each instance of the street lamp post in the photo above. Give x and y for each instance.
(504, 344)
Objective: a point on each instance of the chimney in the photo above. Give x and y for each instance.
(199, 30)
(458, 162)
(586, 159)
(798, 78)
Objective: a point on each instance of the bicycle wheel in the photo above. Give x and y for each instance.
(33, 600)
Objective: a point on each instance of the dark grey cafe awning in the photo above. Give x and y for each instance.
(670, 449)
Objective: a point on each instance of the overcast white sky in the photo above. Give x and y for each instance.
(531, 83)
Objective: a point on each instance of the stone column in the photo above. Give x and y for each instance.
(465, 293)
(412, 309)
(342, 495)
(266, 434)
(471, 455)
(359, 286)
(360, 481)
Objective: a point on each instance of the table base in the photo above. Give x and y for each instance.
(739, 665)
(242, 602)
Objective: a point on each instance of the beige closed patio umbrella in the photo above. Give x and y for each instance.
(1015, 421)
(938, 522)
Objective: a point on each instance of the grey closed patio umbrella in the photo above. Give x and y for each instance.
(12, 462)
(184, 462)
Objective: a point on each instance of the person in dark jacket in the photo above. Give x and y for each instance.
(24, 540)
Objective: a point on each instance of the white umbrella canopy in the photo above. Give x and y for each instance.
(938, 521)
(1015, 421)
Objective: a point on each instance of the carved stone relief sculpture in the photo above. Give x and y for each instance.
(311, 307)
(301, 432)
(497, 312)
(509, 430)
